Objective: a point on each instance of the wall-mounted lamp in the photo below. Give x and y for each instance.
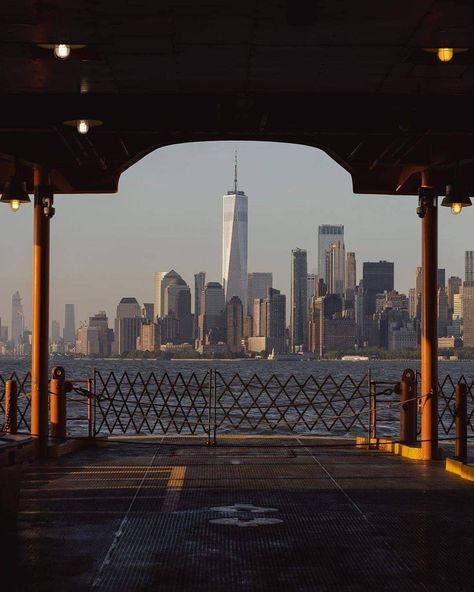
(456, 199)
(15, 193)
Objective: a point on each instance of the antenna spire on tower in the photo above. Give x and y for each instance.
(235, 173)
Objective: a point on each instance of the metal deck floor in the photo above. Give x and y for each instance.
(137, 516)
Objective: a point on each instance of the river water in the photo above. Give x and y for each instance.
(381, 369)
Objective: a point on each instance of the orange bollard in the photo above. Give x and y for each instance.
(408, 407)
(58, 408)
(11, 407)
(460, 447)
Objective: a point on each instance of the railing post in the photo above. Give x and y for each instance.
(373, 411)
(58, 409)
(209, 410)
(11, 407)
(90, 411)
(460, 448)
(408, 407)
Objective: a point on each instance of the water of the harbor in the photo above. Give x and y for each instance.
(380, 369)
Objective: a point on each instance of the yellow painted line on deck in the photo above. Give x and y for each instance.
(173, 489)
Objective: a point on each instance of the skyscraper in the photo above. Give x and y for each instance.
(162, 280)
(454, 287)
(18, 320)
(211, 314)
(199, 283)
(234, 324)
(276, 320)
(350, 277)
(258, 285)
(442, 312)
(55, 331)
(299, 300)
(469, 266)
(468, 313)
(127, 326)
(377, 277)
(336, 268)
(69, 333)
(327, 234)
(101, 321)
(235, 244)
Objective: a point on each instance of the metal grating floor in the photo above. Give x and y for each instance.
(135, 516)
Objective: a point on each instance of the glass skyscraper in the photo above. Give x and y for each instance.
(235, 244)
(327, 234)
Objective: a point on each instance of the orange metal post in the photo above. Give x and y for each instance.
(11, 407)
(429, 325)
(40, 337)
(58, 404)
(460, 451)
(408, 405)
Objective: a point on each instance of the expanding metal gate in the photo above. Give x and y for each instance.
(216, 403)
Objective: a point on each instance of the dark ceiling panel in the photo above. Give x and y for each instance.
(348, 77)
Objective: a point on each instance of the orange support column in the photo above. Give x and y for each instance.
(429, 321)
(40, 335)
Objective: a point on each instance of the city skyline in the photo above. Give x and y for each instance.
(125, 238)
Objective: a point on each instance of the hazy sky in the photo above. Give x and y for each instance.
(167, 214)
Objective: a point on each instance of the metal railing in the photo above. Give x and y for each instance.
(215, 403)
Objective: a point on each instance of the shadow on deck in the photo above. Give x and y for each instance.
(250, 514)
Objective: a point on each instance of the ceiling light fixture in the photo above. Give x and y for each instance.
(456, 199)
(83, 125)
(61, 50)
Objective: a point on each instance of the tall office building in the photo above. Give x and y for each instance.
(18, 319)
(55, 331)
(173, 306)
(212, 312)
(336, 270)
(199, 283)
(458, 306)
(442, 312)
(235, 315)
(469, 266)
(69, 332)
(468, 313)
(311, 287)
(127, 326)
(350, 277)
(276, 320)
(454, 287)
(412, 303)
(377, 277)
(299, 300)
(441, 278)
(258, 285)
(148, 311)
(327, 234)
(235, 244)
(104, 334)
(162, 280)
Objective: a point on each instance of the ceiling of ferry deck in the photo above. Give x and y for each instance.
(350, 78)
